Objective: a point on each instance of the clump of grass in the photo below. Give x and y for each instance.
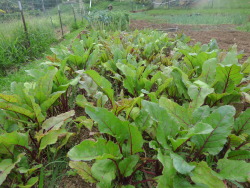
(245, 27)
(205, 19)
(191, 17)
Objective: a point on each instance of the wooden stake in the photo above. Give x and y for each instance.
(24, 25)
(59, 13)
(74, 13)
(43, 7)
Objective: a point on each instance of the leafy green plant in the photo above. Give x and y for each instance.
(185, 119)
(116, 156)
(108, 20)
(23, 153)
(32, 122)
(156, 110)
(187, 139)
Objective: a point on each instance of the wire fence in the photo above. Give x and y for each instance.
(28, 29)
(49, 15)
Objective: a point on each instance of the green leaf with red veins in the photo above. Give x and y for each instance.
(103, 84)
(168, 173)
(198, 92)
(166, 125)
(6, 166)
(208, 71)
(89, 150)
(105, 172)
(181, 165)
(55, 123)
(15, 108)
(127, 165)
(239, 155)
(221, 120)
(109, 123)
(227, 78)
(234, 170)
(204, 175)
(242, 123)
(180, 114)
(83, 170)
(9, 140)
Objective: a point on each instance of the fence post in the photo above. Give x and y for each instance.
(43, 7)
(51, 20)
(24, 25)
(90, 5)
(59, 13)
(74, 13)
(81, 9)
(82, 14)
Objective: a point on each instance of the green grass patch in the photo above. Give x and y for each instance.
(17, 48)
(193, 18)
(222, 4)
(19, 74)
(223, 12)
(117, 5)
(201, 11)
(245, 27)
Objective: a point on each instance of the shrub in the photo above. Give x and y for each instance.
(108, 20)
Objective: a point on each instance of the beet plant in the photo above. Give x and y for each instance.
(159, 112)
(32, 120)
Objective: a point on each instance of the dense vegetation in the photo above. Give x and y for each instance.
(42, 26)
(18, 47)
(124, 109)
(159, 111)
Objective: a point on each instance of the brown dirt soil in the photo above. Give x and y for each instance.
(226, 35)
(58, 32)
(74, 182)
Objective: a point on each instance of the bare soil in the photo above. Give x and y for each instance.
(74, 182)
(58, 32)
(226, 35)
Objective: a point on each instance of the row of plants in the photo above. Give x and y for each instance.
(108, 20)
(147, 111)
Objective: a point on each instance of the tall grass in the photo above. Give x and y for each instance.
(43, 30)
(20, 75)
(16, 48)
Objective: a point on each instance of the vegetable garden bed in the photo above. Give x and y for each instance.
(159, 112)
